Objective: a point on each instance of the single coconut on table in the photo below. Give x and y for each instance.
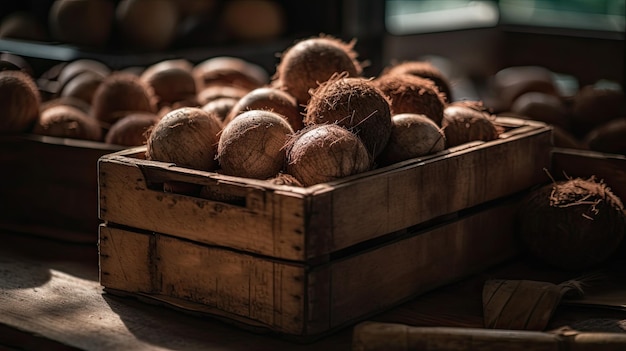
(356, 104)
(573, 224)
(325, 152)
(252, 145)
(312, 61)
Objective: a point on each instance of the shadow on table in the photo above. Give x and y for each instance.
(172, 329)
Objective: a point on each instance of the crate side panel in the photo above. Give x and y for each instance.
(125, 260)
(235, 283)
(49, 186)
(378, 279)
(126, 199)
(401, 198)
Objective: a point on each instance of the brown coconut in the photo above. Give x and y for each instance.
(83, 86)
(356, 104)
(220, 106)
(325, 152)
(463, 124)
(19, 102)
(171, 80)
(609, 137)
(312, 61)
(65, 121)
(132, 130)
(69, 101)
(147, 24)
(270, 99)
(252, 145)
(542, 107)
(82, 22)
(23, 25)
(594, 105)
(119, 94)
(187, 137)
(511, 82)
(423, 69)
(215, 92)
(411, 94)
(412, 135)
(254, 19)
(232, 71)
(573, 224)
(76, 67)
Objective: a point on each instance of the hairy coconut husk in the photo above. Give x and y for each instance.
(121, 93)
(356, 104)
(65, 121)
(186, 136)
(252, 145)
(423, 69)
(20, 101)
(220, 106)
(285, 179)
(462, 124)
(573, 224)
(132, 130)
(269, 99)
(325, 152)
(312, 61)
(171, 80)
(411, 94)
(412, 135)
(231, 71)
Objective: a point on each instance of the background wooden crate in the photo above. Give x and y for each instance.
(49, 186)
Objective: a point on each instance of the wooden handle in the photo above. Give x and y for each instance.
(373, 336)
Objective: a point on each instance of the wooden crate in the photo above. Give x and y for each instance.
(49, 186)
(304, 261)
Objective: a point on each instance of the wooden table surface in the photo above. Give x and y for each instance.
(50, 299)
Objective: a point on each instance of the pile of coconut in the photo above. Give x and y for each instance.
(316, 119)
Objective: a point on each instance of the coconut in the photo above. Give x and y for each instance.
(311, 61)
(147, 24)
(65, 121)
(23, 25)
(187, 137)
(325, 152)
(68, 101)
(411, 94)
(228, 70)
(82, 22)
(270, 99)
(215, 92)
(423, 69)
(252, 145)
(171, 80)
(594, 105)
(573, 224)
(220, 106)
(121, 93)
(131, 130)
(542, 107)
(463, 124)
(83, 86)
(356, 104)
(76, 67)
(19, 101)
(253, 19)
(412, 135)
(511, 82)
(609, 137)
